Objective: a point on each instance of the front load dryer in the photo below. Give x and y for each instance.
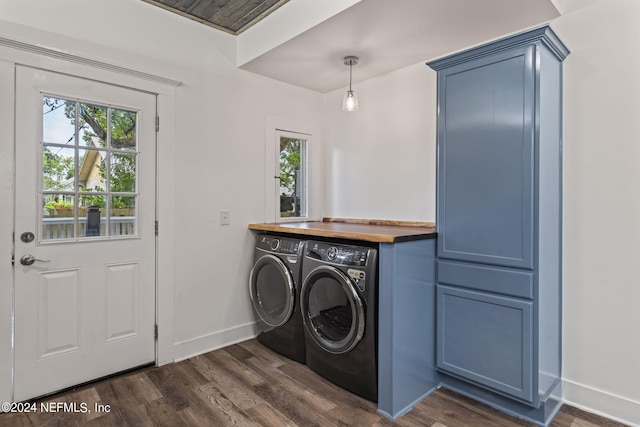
(274, 285)
(339, 311)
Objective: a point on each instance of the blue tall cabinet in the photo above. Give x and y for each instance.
(499, 223)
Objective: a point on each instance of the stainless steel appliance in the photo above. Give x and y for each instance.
(274, 285)
(339, 312)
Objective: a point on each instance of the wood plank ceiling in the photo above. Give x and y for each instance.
(231, 16)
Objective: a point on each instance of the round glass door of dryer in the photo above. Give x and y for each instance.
(332, 311)
(272, 290)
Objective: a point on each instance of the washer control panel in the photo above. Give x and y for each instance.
(276, 244)
(338, 254)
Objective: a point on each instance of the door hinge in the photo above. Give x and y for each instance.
(157, 123)
(13, 259)
(156, 227)
(155, 331)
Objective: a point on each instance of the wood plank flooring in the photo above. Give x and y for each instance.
(248, 385)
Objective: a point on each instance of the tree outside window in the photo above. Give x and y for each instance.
(293, 177)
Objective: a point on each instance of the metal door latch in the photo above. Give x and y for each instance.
(30, 259)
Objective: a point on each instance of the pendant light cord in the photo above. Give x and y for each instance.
(350, 71)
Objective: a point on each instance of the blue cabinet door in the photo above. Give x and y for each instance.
(486, 134)
(486, 339)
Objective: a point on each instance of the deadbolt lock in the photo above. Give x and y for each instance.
(27, 237)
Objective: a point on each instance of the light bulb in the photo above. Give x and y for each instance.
(350, 101)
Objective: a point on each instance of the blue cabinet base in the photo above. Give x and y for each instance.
(406, 325)
(401, 411)
(406, 339)
(541, 416)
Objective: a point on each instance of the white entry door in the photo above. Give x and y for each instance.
(84, 231)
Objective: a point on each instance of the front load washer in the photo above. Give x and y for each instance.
(274, 285)
(339, 311)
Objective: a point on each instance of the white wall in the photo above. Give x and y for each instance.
(601, 344)
(216, 162)
(220, 163)
(380, 160)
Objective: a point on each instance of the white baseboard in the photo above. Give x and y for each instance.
(209, 342)
(600, 402)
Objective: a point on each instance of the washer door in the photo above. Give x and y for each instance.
(272, 290)
(332, 311)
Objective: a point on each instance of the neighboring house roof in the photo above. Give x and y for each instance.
(90, 162)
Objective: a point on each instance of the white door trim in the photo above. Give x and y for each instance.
(165, 139)
(68, 57)
(7, 73)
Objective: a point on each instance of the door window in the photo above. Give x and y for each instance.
(89, 170)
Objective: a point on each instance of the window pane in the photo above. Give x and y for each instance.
(123, 129)
(58, 221)
(123, 216)
(293, 178)
(58, 125)
(58, 168)
(93, 125)
(123, 173)
(91, 173)
(88, 176)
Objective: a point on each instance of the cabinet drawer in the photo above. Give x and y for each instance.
(486, 278)
(486, 339)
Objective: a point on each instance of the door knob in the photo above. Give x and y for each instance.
(30, 259)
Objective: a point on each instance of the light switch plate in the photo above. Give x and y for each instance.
(225, 217)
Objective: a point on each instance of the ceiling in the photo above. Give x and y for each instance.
(386, 35)
(231, 16)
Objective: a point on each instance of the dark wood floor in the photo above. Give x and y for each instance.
(248, 385)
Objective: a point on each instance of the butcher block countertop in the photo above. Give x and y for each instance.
(379, 231)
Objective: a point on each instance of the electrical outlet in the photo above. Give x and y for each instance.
(224, 217)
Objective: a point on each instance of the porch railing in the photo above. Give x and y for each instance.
(63, 228)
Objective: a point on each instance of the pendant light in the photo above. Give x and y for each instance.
(350, 100)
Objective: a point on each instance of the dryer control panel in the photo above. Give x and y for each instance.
(281, 245)
(338, 254)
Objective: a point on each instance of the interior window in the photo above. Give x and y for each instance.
(292, 192)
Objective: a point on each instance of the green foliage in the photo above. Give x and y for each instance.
(53, 204)
(56, 170)
(93, 200)
(290, 157)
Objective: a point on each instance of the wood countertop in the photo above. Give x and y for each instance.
(379, 231)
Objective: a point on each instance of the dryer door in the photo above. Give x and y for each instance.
(272, 290)
(332, 311)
